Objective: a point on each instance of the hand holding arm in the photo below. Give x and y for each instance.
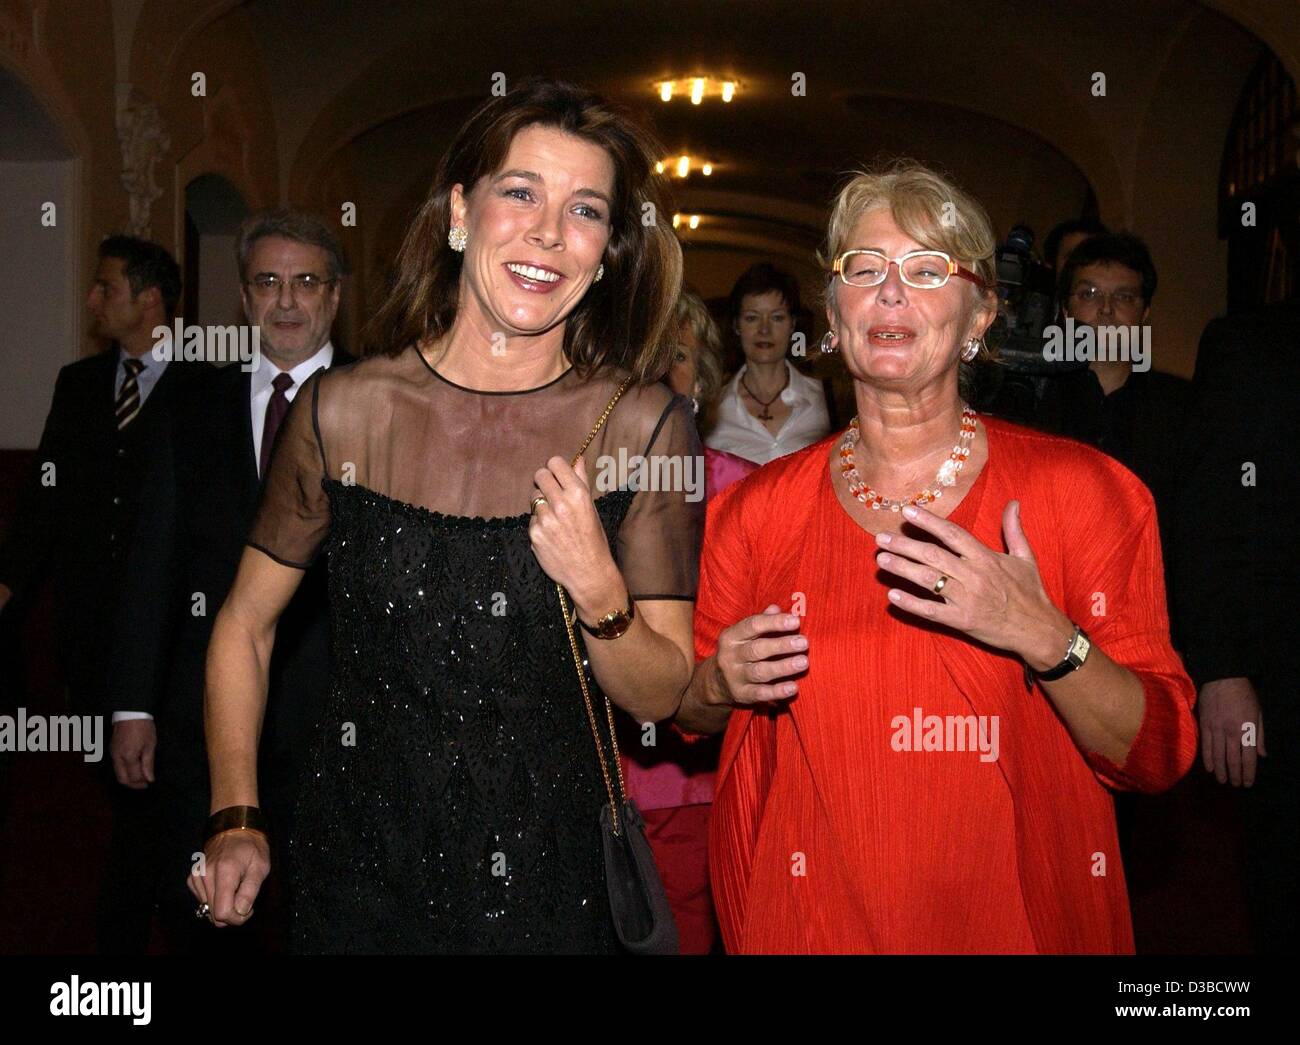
(754, 664)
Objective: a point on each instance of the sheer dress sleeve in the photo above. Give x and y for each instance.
(293, 512)
(658, 547)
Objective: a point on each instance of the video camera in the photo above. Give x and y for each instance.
(1014, 387)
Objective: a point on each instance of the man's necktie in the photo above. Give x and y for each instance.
(128, 399)
(275, 411)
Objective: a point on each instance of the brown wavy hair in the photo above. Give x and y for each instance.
(625, 320)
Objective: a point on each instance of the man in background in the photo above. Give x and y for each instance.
(202, 497)
(77, 515)
(1235, 586)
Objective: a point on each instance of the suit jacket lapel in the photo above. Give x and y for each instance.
(105, 389)
(164, 386)
(242, 411)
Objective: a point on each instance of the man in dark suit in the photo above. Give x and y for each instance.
(1235, 587)
(77, 514)
(202, 496)
(1136, 415)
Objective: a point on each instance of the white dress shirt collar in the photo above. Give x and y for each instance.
(266, 370)
(148, 364)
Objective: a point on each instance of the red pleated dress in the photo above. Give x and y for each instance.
(914, 797)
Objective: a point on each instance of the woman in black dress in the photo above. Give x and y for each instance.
(452, 789)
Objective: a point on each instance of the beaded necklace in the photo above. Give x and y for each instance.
(946, 476)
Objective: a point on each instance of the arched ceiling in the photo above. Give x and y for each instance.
(433, 54)
(993, 90)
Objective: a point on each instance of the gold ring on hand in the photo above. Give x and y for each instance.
(539, 499)
(940, 584)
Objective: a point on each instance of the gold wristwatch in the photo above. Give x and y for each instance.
(613, 624)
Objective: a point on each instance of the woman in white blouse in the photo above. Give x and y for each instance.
(769, 409)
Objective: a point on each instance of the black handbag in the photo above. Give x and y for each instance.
(642, 918)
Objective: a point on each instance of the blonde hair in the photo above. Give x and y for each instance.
(923, 203)
(692, 312)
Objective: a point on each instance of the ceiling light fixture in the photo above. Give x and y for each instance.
(682, 166)
(697, 88)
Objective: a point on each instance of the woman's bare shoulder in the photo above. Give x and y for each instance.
(371, 370)
(350, 392)
(374, 372)
(642, 410)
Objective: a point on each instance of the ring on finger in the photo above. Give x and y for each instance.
(203, 911)
(538, 500)
(941, 583)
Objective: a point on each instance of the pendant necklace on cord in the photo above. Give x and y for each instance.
(766, 415)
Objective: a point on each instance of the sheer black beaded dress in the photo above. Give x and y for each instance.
(451, 792)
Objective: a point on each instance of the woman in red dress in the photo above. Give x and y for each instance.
(934, 640)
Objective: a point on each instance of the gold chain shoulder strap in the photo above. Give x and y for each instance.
(600, 421)
(615, 803)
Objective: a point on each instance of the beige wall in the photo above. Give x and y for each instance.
(39, 296)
